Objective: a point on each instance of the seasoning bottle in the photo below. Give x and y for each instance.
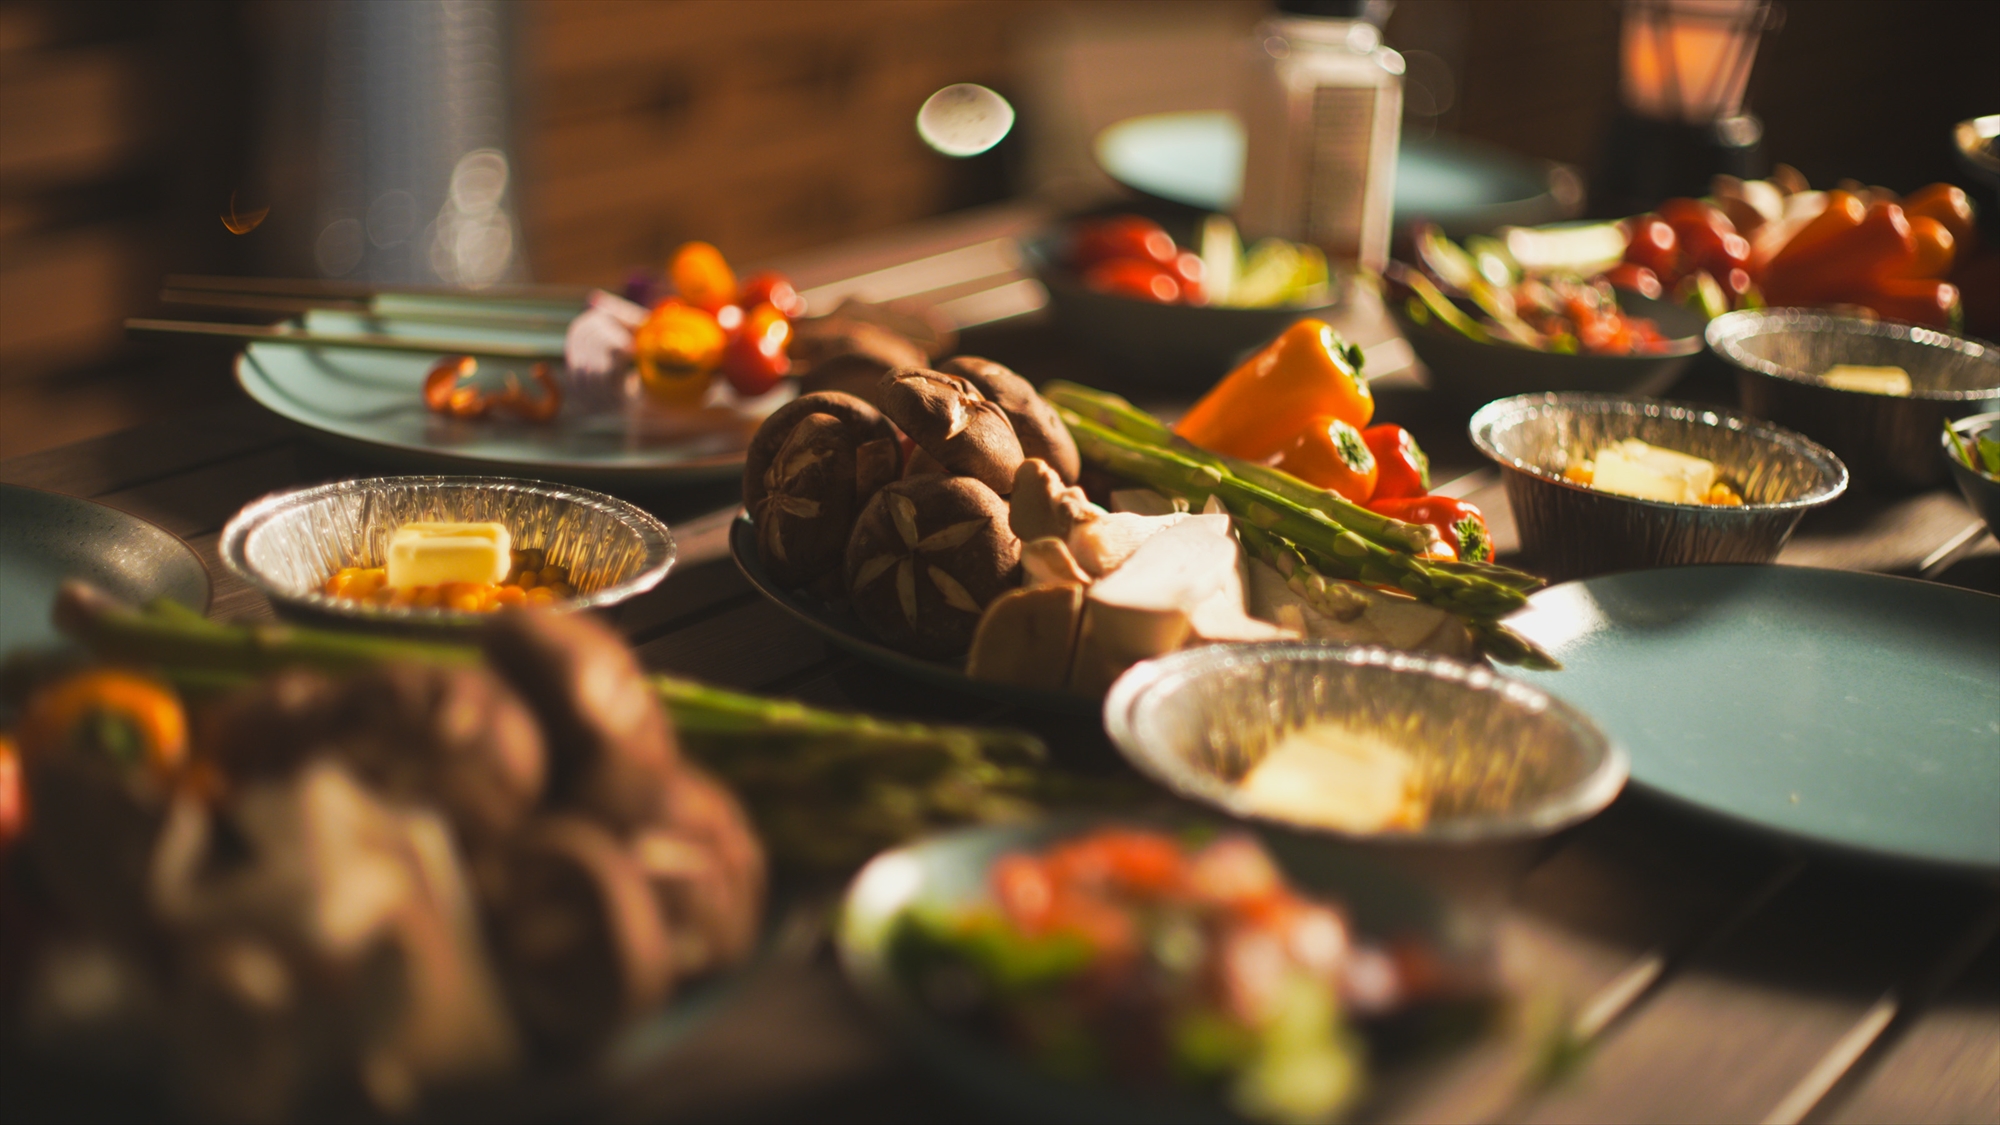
(1322, 108)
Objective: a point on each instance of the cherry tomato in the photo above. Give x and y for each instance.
(1655, 246)
(13, 795)
(1131, 277)
(1332, 455)
(1122, 236)
(1401, 467)
(756, 356)
(1635, 278)
(1187, 270)
(676, 350)
(702, 277)
(1025, 892)
(770, 288)
(1737, 284)
(1708, 239)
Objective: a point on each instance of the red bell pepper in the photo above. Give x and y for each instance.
(1402, 470)
(1461, 524)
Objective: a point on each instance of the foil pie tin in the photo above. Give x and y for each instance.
(1570, 530)
(287, 544)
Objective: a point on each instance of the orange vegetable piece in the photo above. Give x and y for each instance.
(1936, 247)
(702, 276)
(1805, 257)
(1333, 455)
(1257, 409)
(676, 350)
(13, 795)
(1948, 204)
(132, 716)
(1879, 246)
(1914, 300)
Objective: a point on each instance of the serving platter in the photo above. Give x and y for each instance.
(369, 402)
(1860, 711)
(46, 537)
(846, 632)
(948, 873)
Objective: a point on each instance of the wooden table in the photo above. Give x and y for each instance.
(1705, 973)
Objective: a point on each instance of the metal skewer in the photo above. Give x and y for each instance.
(278, 334)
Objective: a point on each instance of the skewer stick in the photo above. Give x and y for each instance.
(467, 314)
(278, 334)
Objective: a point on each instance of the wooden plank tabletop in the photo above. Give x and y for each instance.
(1703, 973)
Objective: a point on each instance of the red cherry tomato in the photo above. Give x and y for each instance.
(1635, 278)
(1130, 277)
(771, 288)
(1187, 270)
(1122, 236)
(1708, 239)
(1655, 246)
(756, 357)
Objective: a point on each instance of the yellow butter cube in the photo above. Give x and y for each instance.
(431, 554)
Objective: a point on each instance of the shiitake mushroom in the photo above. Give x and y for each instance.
(927, 556)
(954, 423)
(612, 748)
(1041, 431)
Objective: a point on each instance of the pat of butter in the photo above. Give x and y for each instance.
(1334, 777)
(1633, 468)
(431, 554)
(1868, 380)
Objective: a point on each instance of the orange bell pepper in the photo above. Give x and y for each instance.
(1915, 300)
(1949, 205)
(132, 717)
(1805, 256)
(1333, 455)
(676, 350)
(1257, 409)
(13, 795)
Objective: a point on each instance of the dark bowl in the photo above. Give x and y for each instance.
(1981, 491)
(1570, 530)
(1469, 374)
(1183, 347)
(1779, 354)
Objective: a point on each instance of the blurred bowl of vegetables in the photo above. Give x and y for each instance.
(1362, 745)
(1602, 483)
(1877, 392)
(1084, 969)
(1537, 310)
(1972, 448)
(1175, 315)
(323, 553)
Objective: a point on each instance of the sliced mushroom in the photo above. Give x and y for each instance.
(954, 423)
(927, 557)
(1027, 635)
(1047, 562)
(1036, 423)
(611, 747)
(1041, 505)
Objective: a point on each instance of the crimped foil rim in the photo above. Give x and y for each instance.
(1583, 799)
(658, 540)
(1513, 410)
(1727, 332)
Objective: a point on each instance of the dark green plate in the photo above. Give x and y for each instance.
(46, 537)
(840, 626)
(1856, 710)
(1463, 186)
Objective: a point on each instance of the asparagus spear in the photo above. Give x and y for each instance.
(1470, 590)
(827, 788)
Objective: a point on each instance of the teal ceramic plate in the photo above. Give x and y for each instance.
(1463, 186)
(369, 401)
(948, 873)
(1857, 710)
(46, 538)
(845, 630)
